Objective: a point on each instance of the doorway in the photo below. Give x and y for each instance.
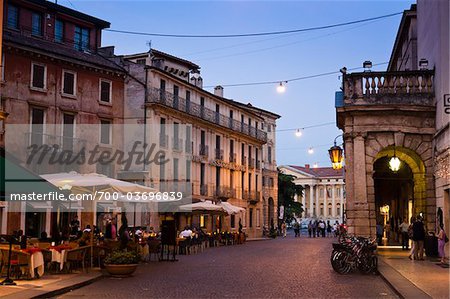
(394, 197)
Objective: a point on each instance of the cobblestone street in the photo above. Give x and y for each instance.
(280, 268)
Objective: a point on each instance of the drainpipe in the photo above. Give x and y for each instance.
(145, 111)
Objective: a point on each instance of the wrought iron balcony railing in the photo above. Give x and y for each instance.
(203, 150)
(251, 163)
(177, 144)
(224, 193)
(232, 157)
(204, 190)
(163, 140)
(167, 99)
(218, 154)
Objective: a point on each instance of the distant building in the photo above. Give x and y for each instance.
(323, 194)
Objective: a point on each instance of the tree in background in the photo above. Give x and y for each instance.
(287, 190)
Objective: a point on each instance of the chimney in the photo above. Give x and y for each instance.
(307, 166)
(218, 91)
(106, 51)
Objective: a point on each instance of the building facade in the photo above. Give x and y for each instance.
(55, 82)
(224, 143)
(323, 192)
(400, 113)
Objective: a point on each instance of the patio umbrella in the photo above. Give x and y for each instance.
(231, 209)
(202, 206)
(91, 183)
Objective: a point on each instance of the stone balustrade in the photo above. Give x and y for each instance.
(404, 87)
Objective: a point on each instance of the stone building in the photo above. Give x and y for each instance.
(222, 150)
(53, 84)
(401, 113)
(323, 191)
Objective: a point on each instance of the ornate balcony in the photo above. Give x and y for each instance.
(224, 193)
(251, 196)
(251, 163)
(258, 164)
(177, 144)
(388, 88)
(232, 157)
(204, 190)
(203, 150)
(163, 140)
(218, 154)
(166, 99)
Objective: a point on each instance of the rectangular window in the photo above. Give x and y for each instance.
(38, 76)
(105, 131)
(258, 211)
(68, 131)
(175, 169)
(162, 169)
(141, 61)
(269, 154)
(81, 38)
(105, 91)
(59, 31)
(37, 126)
(232, 221)
(69, 83)
(36, 24)
(188, 170)
(13, 17)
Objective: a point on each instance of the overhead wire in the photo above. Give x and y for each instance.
(252, 34)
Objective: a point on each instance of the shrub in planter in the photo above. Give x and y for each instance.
(122, 263)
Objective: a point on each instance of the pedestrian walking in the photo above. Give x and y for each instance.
(314, 228)
(418, 238)
(380, 231)
(322, 228)
(297, 229)
(328, 229)
(283, 229)
(403, 230)
(410, 235)
(387, 229)
(310, 228)
(442, 239)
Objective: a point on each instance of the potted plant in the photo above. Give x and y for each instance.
(122, 263)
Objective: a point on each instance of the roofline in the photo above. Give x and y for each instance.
(67, 57)
(407, 14)
(224, 100)
(71, 12)
(298, 170)
(277, 116)
(158, 52)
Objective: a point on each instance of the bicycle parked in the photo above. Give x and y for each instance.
(353, 253)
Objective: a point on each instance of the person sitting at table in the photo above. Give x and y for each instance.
(87, 229)
(44, 237)
(74, 226)
(85, 238)
(108, 232)
(186, 233)
(22, 238)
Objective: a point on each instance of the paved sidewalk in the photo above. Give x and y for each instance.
(414, 279)
(48, 285)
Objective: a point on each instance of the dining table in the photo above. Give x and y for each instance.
(36, 261)
(59, 254)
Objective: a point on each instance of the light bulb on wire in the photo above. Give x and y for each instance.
(298, 133)
(310, 151)
(281, 88)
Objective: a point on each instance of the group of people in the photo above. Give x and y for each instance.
(317, 228)
(414, 231)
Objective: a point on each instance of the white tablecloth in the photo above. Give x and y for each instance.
(37, 262)
(59, 257)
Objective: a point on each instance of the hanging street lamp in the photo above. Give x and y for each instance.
(395, 163)
(336, 155)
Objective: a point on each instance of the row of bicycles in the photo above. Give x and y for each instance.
(353, 253)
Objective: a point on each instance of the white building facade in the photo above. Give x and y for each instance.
(323, 195)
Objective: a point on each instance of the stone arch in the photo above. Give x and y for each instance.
(416, 151)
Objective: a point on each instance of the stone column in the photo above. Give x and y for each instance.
(317, 201)
(303, 203)
(311, 200)
(325, 206)
(333, 201)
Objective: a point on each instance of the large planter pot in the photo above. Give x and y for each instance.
(121, 270)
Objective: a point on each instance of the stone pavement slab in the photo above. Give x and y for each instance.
(408, 276)
(48, 285)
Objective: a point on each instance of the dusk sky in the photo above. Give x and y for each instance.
(265, 58)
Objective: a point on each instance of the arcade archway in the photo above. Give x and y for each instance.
(398, 194)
